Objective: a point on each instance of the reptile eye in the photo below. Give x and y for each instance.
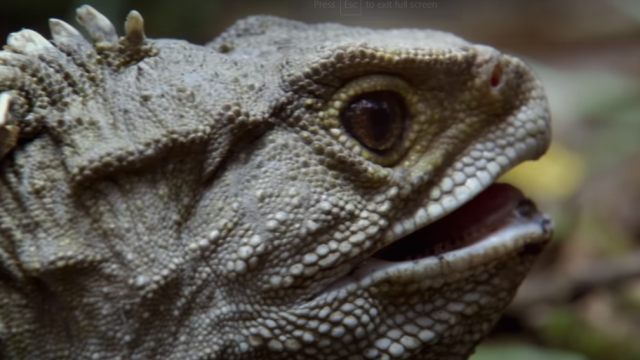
(376, 119)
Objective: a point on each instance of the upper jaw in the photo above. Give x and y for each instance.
(521, 237)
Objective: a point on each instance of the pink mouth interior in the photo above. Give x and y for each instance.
(488, 211)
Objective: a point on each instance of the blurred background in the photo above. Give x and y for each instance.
(583, 299)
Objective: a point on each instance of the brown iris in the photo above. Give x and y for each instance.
(376, 119)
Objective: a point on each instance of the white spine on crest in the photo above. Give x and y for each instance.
(65, 34)
(134, 28)
(28, 41)
(97, 25)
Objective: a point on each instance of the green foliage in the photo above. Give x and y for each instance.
(521, 351)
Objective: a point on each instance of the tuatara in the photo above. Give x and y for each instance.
(287, 191)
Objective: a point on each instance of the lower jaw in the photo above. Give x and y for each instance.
(518, 241)
(498, 223)
(444, 287)
(460, 290)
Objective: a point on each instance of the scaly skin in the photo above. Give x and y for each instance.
(160, 199)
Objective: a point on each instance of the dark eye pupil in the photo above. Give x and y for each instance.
(376, 119)
(376, 116)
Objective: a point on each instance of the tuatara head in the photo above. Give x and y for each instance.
(286, 191)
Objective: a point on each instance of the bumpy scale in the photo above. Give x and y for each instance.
(160, 199)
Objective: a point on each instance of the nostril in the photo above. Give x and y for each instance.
(496, 76)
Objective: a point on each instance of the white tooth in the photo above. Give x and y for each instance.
(97, 25)
(134, 28)
(28, 41)
(63, 33)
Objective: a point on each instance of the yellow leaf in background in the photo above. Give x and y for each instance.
(554, 177)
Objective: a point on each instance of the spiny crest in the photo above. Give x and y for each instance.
(25, 49)
(97, 26)
(101, 30)
(8, 132)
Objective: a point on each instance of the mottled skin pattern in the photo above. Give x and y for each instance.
(160, 199)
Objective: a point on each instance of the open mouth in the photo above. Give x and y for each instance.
(494, 208)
